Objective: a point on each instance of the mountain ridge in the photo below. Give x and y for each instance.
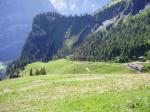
(82, 37)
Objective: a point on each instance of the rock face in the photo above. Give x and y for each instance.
(15, 24)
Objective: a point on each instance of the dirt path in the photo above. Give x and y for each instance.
(88, 69)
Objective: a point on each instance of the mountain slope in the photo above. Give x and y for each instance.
(52, 31)
(15, 24)
(65, 33)
(115, 32)
(124, 42)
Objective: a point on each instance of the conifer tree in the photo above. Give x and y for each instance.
(37, 72)
(31, 72)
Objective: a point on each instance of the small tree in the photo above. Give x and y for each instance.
(16, 74)
(43, 71)
(37, 72)
(31, 72)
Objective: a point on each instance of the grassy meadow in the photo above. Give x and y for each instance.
(64, 66)
(103, 87)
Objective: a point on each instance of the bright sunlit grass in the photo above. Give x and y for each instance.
(64, 66)
(76, 93)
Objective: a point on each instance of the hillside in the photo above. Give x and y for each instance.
(15, 24)
(76, 92)
(64, 66)
(56, 36)
(118, 32)
(123, 42)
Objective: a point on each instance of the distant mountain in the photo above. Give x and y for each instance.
(15, 23)
(2, 70)
(117, 32)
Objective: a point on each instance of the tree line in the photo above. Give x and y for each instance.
(37, 72)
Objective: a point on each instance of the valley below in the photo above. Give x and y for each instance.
(2, 70)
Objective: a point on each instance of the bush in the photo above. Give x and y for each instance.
(147, 68)
(121, 59)
(147, 55)
(139, 104)
(16, 74)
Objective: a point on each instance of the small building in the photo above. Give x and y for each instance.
(141, 59)
(136, 66)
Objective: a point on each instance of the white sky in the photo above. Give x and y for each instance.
(78, 6)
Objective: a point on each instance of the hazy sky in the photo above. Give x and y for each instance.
(78, 6)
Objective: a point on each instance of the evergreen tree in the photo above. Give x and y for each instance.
(37, 72)
(43, 71)
(31, 72)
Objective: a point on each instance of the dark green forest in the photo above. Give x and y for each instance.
(125, 42)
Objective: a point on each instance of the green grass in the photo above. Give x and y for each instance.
(63, 66)
(70, 87)
(76, 93)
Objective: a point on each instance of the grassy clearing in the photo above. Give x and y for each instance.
(76, 93)
(72, 86)
(63, 66)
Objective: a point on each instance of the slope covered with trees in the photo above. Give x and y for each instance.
(119, 31)
(124, 42)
